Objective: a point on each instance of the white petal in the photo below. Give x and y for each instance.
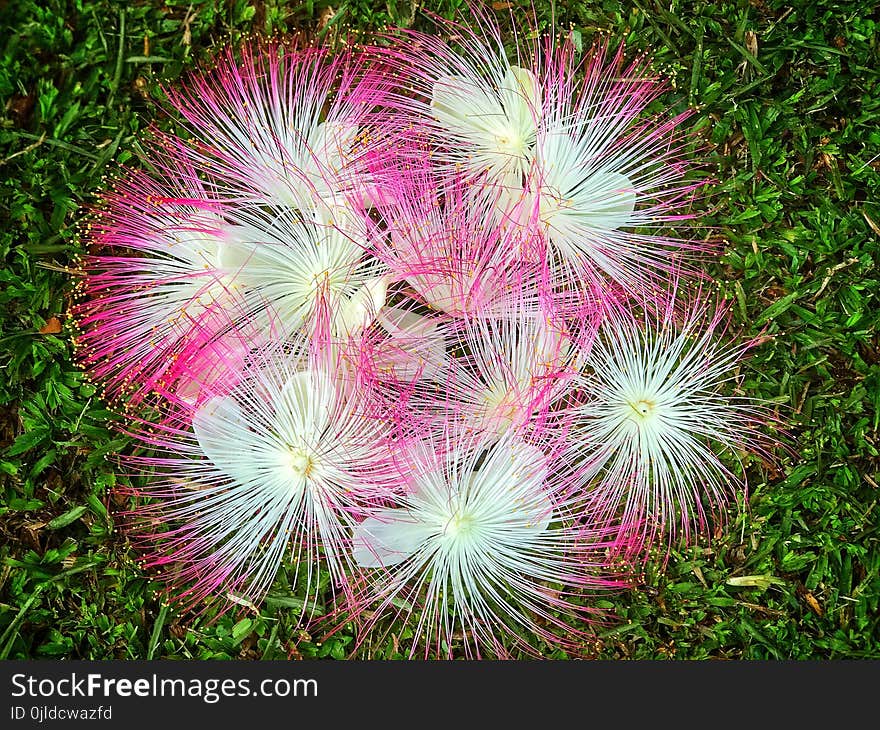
(334, 214)
(528, 467)
(232, 257)
(463, 108)
(419, 332)
(388, 539)
(400, 321)
(238, 248)
(529, 460)
(416, 346)
(436, 290)
(361, 307)
(195, 239)
(522, 97)
(222, 432)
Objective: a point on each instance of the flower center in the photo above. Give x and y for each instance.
(502, 407)
(643, 408)
(301, 462)
(315, 278)
(499, 399)
(507, 141)
(459, 525)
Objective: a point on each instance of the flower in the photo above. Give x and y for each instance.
(601, 167)
(441, 238)
(475, 110)
(495, 128)
(656, 415)
(137, 312)
(284, 461)
(483, 543)
(294, 261)
(500, 374)
(203, 269)
(281, 126)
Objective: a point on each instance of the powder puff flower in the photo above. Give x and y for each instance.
(496, 127)
(478, 111)
(203, 267)
(279, 466)
(483, 544)
(504, 374)
(656, 414)
(294, 261)
(281, 126)
(138, 311)
(442, 239)
(602, 168)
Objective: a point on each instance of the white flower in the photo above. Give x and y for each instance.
(285, 463)
(474, 542)
(294, 262)
(606, 178)
(577, 195)
(655, 418)
(468, 516)
(492, 119)
(580, 201)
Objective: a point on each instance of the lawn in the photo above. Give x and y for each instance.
(787, 106)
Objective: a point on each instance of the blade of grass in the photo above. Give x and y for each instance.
(157, 631)
(5, 642)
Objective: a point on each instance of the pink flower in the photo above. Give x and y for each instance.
(166, 259)
(441, 238)
(282, 127)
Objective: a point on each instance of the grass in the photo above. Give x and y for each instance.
(788, 105)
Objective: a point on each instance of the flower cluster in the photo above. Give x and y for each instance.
(408, 319)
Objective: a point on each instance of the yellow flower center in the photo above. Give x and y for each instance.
(458, 525)
(301, 462)
(643, 408)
